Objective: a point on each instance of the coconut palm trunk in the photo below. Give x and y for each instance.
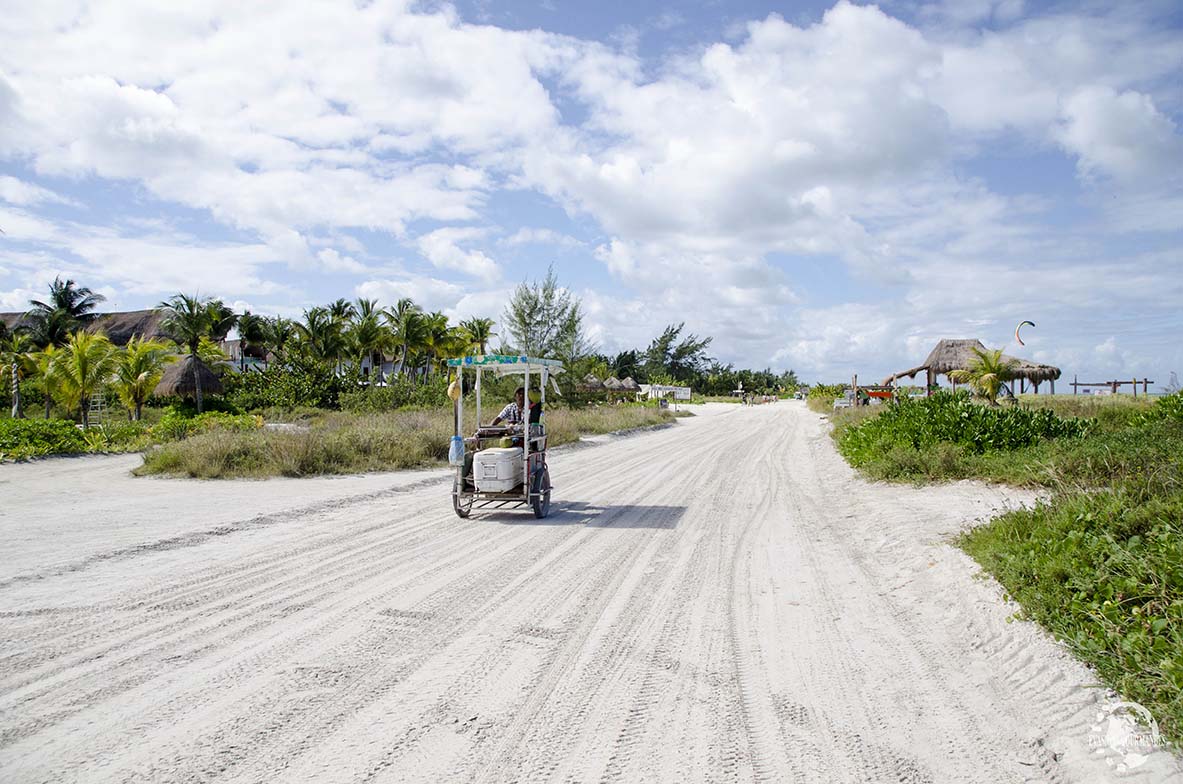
(84, 411)
(196, 382)
(16, 390)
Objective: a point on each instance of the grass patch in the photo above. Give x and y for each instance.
(1103, 572)
(1100, 565)
(342, 443)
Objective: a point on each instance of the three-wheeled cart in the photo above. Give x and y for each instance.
(502, 467)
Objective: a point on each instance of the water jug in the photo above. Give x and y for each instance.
(456, 451)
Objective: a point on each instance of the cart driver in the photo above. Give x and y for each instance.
(512, 413)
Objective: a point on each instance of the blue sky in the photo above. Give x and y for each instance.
(824, 187)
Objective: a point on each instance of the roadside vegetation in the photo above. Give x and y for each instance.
(344, 443)
(1100, 563)
(351, 386)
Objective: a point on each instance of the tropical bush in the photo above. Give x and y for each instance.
(952, 418)
(822, 396)
(289, 386)
(398, 393)
(178, 423)
(21, 438)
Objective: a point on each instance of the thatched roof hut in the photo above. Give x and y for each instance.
(122, 327)
(629, 385)
(949, 355)
(591, 384)
(612, 383)
(118, 327)
(178, 379)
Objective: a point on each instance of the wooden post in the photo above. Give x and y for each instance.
(1035, 386)
(1113, 386)
(1053, 383)
(1022, 385)
(1135, 385)
(1074, 383)
(1144, 383)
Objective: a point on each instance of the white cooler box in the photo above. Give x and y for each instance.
(497, 470)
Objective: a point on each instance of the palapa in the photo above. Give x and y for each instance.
(612, 383)
(628, 385)
(591, 383)
(178, 379)
(957, 354)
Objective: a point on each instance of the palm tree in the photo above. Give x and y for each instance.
(252, 331)
(342, 310)
(365, 307)
(84, 364)
(138, 369)
(221, 320)
(987, 372)
(15, 348)
(322, 335)
(69, 308)
(403, 319)
(435, 338)
(278, 333)
(369, 337)
(44, 361)
(187, 319)
(479, 331)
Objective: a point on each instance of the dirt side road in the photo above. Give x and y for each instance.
(717, 601)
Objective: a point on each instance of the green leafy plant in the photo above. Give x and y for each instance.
(22, 438)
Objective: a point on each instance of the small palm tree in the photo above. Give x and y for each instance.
(986, 374)
(436, 339)
(138, 369)
(479, 331)
(15, 352)
(82, 367)
(45, 379)
(188, 319)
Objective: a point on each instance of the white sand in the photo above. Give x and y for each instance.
(720, 600)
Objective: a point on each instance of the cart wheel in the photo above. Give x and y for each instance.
(462, 504)
(540, 493)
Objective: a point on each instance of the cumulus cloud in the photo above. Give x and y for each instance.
(442, 248)
(721, 181)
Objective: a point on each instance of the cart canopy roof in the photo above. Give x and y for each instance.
(503, 364)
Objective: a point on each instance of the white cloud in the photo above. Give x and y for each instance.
(23, 193)
(1122, 135)
(442, 248)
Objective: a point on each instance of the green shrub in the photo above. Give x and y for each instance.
(118, 437)
(954, 418)
(178, 423)
(822, 396)
(21, 438)
(398, 393)
(302, 383)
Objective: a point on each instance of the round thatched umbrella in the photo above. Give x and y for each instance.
(591, 383)
(612, 384)
(628, 385)
(178, 379)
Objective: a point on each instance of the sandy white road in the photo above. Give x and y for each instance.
(722, 600)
